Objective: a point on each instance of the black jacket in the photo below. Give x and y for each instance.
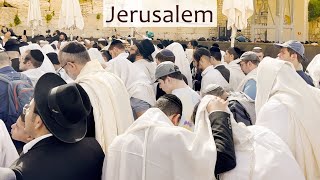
(224, 72)
(222, 134)
(52, 159)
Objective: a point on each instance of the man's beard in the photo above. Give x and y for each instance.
(132, 57)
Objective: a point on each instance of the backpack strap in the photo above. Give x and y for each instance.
(5, 78)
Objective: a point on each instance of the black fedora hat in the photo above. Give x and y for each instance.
(63, 108)
(145, 48)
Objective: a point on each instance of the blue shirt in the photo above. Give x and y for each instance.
(250, 89)
(306, 77)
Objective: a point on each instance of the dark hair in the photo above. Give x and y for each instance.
(116, 43)
(160, 46)
(30, 58)
(163, 58)
(236, 52)
(215, 45)
(215, 53)
(291, 51)
(175, 75)
(107, 55)
(201, 52)
(169, 104)
(64, 34)
(194, 43)
(166, 42)
(201, 46)
(184, 47)
(216, 92)
(194, 113)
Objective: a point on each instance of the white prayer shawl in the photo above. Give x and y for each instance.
(94, 53)
(314, 70)
(212, 76)
(236, 74)
(34, 75)
(8, 153)
(154, 149)
(189, 54)
(251, 75)
(47, 48)
(181, 60)
(149, 68)
(46, 65)
(110, 101)
(135, 80)
(278, 81)
(260, 154)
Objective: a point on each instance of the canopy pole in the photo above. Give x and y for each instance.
(233, 35)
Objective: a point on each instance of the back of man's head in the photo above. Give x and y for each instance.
(169, 104)
(236, 52)
(4, 59)
(35, 56)
(165, 55)
(74, 52)
(116, 44)
(201, 52)
(215, 53)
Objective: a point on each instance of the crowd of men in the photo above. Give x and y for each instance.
(135, 110)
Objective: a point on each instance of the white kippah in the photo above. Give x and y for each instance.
(210, 87)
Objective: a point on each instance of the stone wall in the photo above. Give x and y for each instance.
(94, 27)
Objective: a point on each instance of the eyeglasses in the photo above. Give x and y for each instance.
(62, 67)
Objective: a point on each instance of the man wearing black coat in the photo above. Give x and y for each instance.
(56, 118)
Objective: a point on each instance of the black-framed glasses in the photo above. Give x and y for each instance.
(62, 67)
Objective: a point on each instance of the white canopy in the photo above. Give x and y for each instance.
(34, 15)
(70, 15)
(238, 13)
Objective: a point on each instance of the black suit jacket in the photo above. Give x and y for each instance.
(52, 159)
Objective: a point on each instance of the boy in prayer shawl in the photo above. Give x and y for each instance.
(108, 95)
(171, 81)
(293, 52)
(148, 150)
(29, 64)
(287, 105)
(138, 85)
(232, 59)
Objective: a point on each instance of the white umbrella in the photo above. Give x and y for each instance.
(238, 12)
(34, 15)
(70, 15)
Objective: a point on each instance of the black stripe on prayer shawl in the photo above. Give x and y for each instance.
(239, 113)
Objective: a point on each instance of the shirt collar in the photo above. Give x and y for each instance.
(206, 70)
(30, 144)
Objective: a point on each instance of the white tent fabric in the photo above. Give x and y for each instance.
(70, 15)
(314, 70)
(34, 15)
(238, 13)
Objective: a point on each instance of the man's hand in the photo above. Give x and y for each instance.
(217, 104)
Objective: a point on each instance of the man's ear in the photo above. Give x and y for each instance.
(176, 119)
(38, 122)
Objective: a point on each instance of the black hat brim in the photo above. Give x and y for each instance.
(69, 135)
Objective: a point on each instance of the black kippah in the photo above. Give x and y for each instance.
(214, 49)
(173, 98)
(37, 55)
(73, 48)
(53, 58)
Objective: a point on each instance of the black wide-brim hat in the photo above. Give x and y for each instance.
(63, 107)
(145, 48)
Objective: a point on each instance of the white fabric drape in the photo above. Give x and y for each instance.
(153, 148)
(278, 83)
(237, 13)
(8, 153)
(110, 101)
(70, 15)
(314, 70)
